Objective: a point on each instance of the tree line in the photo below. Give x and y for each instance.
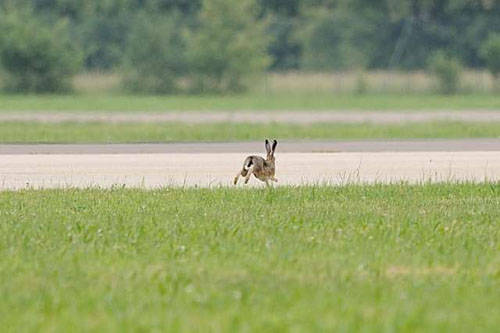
(165, 46)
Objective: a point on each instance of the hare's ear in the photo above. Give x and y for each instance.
(268, 147)
(275, 143)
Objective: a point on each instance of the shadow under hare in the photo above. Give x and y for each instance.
(262, 169)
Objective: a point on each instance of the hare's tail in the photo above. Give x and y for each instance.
(247, 164)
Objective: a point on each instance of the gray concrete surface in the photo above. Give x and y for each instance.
(294, 117)
(245, 147)
(209, 170)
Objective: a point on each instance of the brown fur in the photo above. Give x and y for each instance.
(262, 169)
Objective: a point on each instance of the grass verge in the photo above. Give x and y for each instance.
(22, 132)
(354, 258)
(284, 101)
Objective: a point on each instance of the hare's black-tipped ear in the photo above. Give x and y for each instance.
(275, 143)
(268, 146)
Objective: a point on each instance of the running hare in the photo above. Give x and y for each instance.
(262, 169)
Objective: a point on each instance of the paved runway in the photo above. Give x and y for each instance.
(218, 169)
(245, 147)
(215, 164)
(241, 116)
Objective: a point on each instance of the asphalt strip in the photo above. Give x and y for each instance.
(431, 145)
(218, 169)
(255, 117)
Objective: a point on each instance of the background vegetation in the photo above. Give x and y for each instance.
(167, 46)
(37, 56)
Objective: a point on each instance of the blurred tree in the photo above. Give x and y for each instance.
(73, 10)
(228, 47)
(37, 56)
(103, 35)
(447, 69)
(284, 49)
(458, 26)
(290, 8)
(283, 16)
(312, 34)
(490, 51)
(155, 57)
(185, 7)
(332, 40)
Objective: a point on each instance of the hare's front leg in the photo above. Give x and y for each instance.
(274, 179)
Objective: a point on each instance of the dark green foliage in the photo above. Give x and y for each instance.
(284, 20)
(284, 49)
(36, 56)
(103, 37)
(289, 8)
(490, 51)
(447, 70)
(301, 34)
(186, 7)
(328, 44)
(155, 57)
(228, 47)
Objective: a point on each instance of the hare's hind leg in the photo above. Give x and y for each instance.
(240, 173)
(243, 173)
(249, 173)
(235, 181)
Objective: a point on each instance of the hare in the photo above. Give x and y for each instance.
(262, 169)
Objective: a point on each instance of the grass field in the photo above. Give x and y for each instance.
(249, 102)
(355, 258)
(22, 132)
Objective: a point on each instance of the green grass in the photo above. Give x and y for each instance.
(21, 132)
(357, 258)
(298, 101)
